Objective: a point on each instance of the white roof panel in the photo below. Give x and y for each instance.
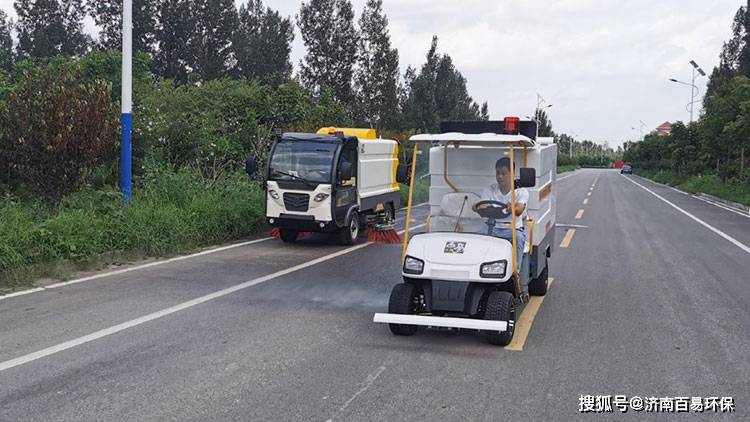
(480, 138)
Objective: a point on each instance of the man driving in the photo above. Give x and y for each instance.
(500, 192)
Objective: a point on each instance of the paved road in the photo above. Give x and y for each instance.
(646, 301)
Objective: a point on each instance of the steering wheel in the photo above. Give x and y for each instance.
(494, 209)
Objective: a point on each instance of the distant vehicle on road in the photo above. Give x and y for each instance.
(626, 169)
(459, 274)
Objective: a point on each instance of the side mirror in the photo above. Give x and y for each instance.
(345, 170)
(251, 167)
(528, 178)
(402, 174)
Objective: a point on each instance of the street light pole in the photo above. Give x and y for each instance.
(570, 150)
(694, 89)
(126, 119)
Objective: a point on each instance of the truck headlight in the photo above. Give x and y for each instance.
(494, 269)
(321, 197)
(413, 265)
(273, 194)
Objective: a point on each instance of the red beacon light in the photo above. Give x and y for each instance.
(512, 125)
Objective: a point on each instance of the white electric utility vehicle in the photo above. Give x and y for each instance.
(456, 274)
(338, 180)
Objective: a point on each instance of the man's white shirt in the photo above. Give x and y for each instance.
(493, 193)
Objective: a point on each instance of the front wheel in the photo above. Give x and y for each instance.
(348, 235)
(501, 307)
(289, 235)
(403, 301)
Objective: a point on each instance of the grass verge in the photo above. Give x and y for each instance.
(732, 190)
(171, 213)
(567, 168)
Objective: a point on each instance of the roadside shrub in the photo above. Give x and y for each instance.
(53, 129)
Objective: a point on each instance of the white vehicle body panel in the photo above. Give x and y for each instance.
(440, 264)
(320, 210)
(376, 169)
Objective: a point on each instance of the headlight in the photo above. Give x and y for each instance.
(413, 265)
(321, 197)
(273, 194)
(493, 269)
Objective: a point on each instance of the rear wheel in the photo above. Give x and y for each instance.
(501, 307)
(390, 213)
(538, 286)
(289, 235)
(348, 235)
(403, 301)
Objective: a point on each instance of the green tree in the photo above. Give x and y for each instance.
(376, 77)
(437, 93)
(108, 16)
(210, 41)
(451, 95)
(331, 39)
(544, 124)
(47, 28)
(418, 102)
(6, 43)
(172, 35)
(263, 43)
(484, 113)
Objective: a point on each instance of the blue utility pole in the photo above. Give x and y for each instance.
(126, 120)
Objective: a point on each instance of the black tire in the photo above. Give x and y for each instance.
(289, 235)
(501, 307)
(402, 302)
(390, 212)
(538, 286)
(350, 232)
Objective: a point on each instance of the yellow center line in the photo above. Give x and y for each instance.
(586, 201)
(525, 321)
(568, 238)
(579, 215)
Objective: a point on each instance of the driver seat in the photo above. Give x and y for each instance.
(450, 207)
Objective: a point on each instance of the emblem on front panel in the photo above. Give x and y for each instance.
(455, 247)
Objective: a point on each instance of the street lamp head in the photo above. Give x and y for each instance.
(673, 80)
(698, 68)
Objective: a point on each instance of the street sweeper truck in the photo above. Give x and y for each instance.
(338, 180)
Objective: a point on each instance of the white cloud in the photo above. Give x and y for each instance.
(604, 64)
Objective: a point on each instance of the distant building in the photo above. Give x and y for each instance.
(664, 129)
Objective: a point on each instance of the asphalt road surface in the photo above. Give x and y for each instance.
(651, 297)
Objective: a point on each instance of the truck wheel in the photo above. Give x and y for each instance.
(348, 235)
(402, 301)
(538, 286)
(289, 235)
(390, 213)
(501, 307)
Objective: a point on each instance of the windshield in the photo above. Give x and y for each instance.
(311, 161)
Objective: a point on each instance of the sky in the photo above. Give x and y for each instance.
(604, 65)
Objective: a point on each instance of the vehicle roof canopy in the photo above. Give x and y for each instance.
(482, 139)
(484, 133)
